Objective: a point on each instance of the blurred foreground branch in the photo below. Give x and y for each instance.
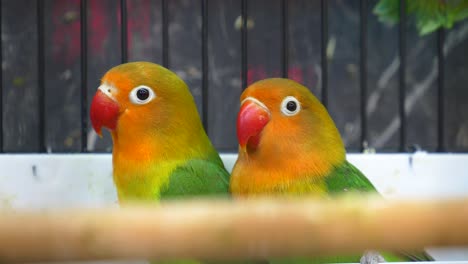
(219, 230)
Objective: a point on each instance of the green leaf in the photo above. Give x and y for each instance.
(387, 11)
(429, 15)
(428, 27)
(460, 12)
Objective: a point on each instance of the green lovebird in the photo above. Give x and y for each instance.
(290, 146)
(160, 149)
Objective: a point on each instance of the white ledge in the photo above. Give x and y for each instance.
(85, 180)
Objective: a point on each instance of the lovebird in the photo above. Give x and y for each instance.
(290, 146)
(160, 148)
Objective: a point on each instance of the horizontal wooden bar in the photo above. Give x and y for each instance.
(240, 229)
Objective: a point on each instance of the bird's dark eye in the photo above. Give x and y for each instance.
(141, 95)
(290, 106)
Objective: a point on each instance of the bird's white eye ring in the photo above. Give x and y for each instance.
(290, 106)
(141, 95)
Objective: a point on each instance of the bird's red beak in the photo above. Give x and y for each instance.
(104, 112)
(251, 120)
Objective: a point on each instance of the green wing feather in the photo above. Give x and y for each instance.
(198, 177)
(346, 177)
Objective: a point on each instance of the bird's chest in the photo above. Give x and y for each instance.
(264, 181)
(141, 181)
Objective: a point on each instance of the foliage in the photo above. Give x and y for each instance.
(429, 15)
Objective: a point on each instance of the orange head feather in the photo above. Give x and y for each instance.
(148, 105)
(285, 136)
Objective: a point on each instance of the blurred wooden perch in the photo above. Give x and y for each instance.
(232, 230)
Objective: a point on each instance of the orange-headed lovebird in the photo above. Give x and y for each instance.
(289, 145)
(160, 149)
